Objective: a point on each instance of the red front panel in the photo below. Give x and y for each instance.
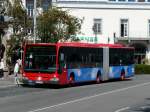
(44, 77)
(34, 76)
(47, 78)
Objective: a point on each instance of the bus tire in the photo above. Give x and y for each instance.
(98, 78)
(122, 77)
(71, 79)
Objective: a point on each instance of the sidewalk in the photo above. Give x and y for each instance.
(7, 80)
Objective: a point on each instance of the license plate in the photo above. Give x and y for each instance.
(39, 82)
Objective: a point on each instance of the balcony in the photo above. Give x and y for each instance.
(132, 39)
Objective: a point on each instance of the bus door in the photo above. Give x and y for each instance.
(105, 75)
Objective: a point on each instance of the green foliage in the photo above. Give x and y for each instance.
(12, 45)
(56, 24)
(142, 69)
(18, 23)
(19, 15)
(17, 11)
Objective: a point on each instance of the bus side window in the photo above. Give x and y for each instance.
(62, 57)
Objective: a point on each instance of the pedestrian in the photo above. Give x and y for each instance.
(16, 73)
(2, 68)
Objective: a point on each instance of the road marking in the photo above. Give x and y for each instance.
(89, 97)
(7, 86)
(122, 109)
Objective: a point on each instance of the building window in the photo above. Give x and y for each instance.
(30, 10)
(124, 28)
(97, 26)
(45, 7)
(46, 4)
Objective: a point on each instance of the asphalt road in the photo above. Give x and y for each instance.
(113, 96)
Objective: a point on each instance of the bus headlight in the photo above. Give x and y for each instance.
(39, 78)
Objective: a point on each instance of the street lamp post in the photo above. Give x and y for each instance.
(34, 20)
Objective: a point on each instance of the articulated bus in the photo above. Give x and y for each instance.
(69, 63)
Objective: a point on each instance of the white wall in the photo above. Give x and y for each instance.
(138, 22)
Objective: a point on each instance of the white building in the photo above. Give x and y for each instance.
(113, 21)
(108, 21)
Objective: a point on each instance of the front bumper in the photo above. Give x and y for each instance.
(35, 82)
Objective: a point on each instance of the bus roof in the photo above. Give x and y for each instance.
(89, 44)
(77, 44)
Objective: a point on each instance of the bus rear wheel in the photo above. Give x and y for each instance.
(71, 80)
(98, 79)
(122, 76)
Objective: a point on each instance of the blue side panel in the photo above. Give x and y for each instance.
(129, 71)
(84, 74)
(115, 71)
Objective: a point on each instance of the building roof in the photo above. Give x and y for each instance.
(103, 4)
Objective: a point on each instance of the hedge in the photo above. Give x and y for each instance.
(142, 69)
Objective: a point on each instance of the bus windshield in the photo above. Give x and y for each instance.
(40, 59)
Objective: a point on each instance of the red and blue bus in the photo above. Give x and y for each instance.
(69, 63)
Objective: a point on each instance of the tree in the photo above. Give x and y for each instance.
(57, 25)
(3, 24)
(13, 44)
(19, 18)
(12, 54)
(2, 50)
(19, 24)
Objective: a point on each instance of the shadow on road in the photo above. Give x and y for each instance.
(143, 108)
(50, 86)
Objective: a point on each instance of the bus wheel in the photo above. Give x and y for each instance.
(71, 80)
(98, 79)
(122, 76)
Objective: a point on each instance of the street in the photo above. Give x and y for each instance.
(68, 41)
(113, 96)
